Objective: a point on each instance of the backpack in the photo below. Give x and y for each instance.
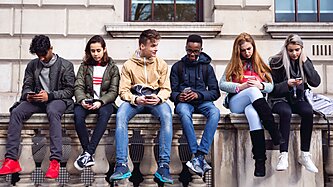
(321, 106)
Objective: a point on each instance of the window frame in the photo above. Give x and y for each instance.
(128, 9)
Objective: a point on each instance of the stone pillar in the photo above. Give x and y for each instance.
(3, 136)
(26, 160)
(126, 182)
(148, 164)
(74, 174)
(329, 163)
(46, 162)
(101, 166)
(197, 181)
(176, 165)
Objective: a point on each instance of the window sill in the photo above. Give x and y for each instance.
(305, 30)
(166, 29)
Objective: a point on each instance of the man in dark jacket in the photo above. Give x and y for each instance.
(194, 88)
(48, 86)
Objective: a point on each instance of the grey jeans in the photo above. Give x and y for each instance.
(54, 110)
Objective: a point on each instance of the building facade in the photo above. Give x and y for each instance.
(70, 23)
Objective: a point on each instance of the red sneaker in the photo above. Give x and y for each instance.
(10, 166)
(53, 171)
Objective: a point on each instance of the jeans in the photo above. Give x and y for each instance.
(54, 110)
(301, 108)
(242, 103)
(126, 112)
(80, 114)
(212, 113)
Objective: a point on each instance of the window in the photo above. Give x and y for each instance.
(303, 10)
(164, 10)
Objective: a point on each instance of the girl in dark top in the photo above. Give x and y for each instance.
(292, 72)
(96, 89)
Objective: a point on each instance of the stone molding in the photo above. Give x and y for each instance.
(166, 29)
(305, 30)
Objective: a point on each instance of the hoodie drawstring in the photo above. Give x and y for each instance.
(145, 67)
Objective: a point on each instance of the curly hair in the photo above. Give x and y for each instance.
(88, 59)
(149, 34)
(235, 67)
(40, 44)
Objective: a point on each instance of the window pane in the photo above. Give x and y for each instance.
(164, 10)
(326, 10)
(186, 10)
(284, 10)
(141, 10)
(307, 10)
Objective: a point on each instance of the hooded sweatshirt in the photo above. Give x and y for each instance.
(193, 75)
(152, 72)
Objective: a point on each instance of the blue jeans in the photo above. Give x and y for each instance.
(242, 103)
(126, 112)
(212, 113)
(80, 114)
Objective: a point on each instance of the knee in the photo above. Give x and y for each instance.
(183, 111)
(254, 92)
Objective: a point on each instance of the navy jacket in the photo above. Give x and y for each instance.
(201, 80)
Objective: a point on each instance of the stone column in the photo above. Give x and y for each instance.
(329, 163)
(26, 160)
(3, 136)
(126, 182)
(46, 162)
(197, 181)
(148, 164)
(74, 174)
(176, 165)
(101, 166)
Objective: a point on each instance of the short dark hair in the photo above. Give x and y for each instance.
(149, 34)
(194, 38)
(40, 44)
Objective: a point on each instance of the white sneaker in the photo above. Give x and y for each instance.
(283, 162)
(305, 160)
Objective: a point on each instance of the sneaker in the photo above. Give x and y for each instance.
(121, 172)
(10, 166)
(283, 162)
(305, 160)
(84, 160)
(163, 173)
(206, 166)
(196, 165)
(53, 171)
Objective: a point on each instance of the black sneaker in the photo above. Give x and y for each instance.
(163, 173)
(196, 165)
(121, 172)
(84, 160)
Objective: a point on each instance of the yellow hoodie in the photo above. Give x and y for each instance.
(151, 72)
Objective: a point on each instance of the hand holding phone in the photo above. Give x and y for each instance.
(149, 97)
(187, 89)
(299, 78)
(31, 93)
(89, 101)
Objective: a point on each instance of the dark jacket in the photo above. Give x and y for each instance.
(281, 91)
(62, 79)
(201, 80)
(84, 83)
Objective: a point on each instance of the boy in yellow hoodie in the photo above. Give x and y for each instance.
(144, 86)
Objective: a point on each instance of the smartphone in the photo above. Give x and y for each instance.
(187, 89)
(31, 93)
(149, 96)
(299, 78)
(89, 101)
(250, 77)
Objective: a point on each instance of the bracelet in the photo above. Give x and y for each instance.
(263, 86)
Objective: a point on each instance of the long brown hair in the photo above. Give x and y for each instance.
(235, 66)
(88, 59)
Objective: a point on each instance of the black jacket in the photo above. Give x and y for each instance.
(202, 80)
(62, 79)
(281, 91)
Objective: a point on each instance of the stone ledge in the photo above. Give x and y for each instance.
(305, 30)
(166, 29)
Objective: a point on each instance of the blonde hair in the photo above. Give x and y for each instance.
(235, 66)
(293, 39)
